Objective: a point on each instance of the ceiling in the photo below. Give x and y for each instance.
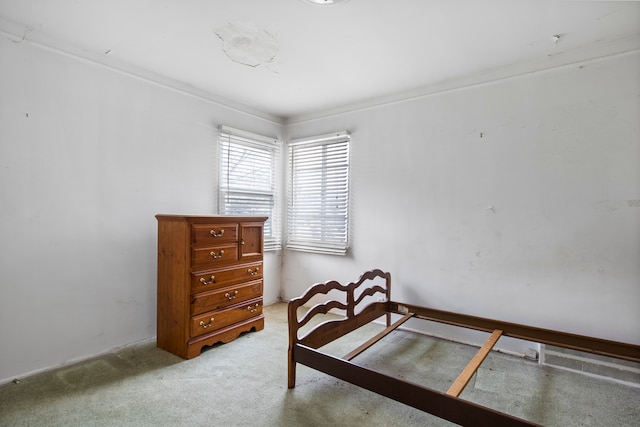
(289, 60)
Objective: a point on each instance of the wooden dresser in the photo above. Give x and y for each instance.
(209, 280)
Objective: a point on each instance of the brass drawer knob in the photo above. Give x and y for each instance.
(253, 272)
(253, 308)
(219, 234)
(206, 325)
(231, 296)
(205, 282)
(218, 255)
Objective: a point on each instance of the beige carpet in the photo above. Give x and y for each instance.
(243, 383)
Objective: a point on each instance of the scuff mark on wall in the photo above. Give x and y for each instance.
(614, 205)
(27, 30)
(629, 204)
(248, 44)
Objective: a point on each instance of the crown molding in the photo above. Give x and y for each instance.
(569, 58)
(20, 33)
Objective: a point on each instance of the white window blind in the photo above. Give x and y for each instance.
(249, 166)
(318, 202)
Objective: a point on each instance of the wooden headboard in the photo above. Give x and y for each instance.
(359, 310)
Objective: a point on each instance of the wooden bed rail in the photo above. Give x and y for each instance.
(378, 337)
(618, 350)
(454, 409)
(463, 379)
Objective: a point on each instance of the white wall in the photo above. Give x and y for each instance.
(517, 200)
(88, 156)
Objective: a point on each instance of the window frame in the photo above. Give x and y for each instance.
(318, 232)
(244, 191)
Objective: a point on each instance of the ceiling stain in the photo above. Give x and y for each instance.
(247, 43)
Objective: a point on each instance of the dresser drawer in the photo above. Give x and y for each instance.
(212, 320)
(214, 233)
(220, 298)
(217, 278)
(212, 256)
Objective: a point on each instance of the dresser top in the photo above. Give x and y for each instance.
(209, 218)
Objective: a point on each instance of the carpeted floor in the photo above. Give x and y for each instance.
(244, 383)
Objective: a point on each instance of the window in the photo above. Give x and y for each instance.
(318, 203)
(249, 166)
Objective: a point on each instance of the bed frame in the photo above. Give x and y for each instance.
(369, 299)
